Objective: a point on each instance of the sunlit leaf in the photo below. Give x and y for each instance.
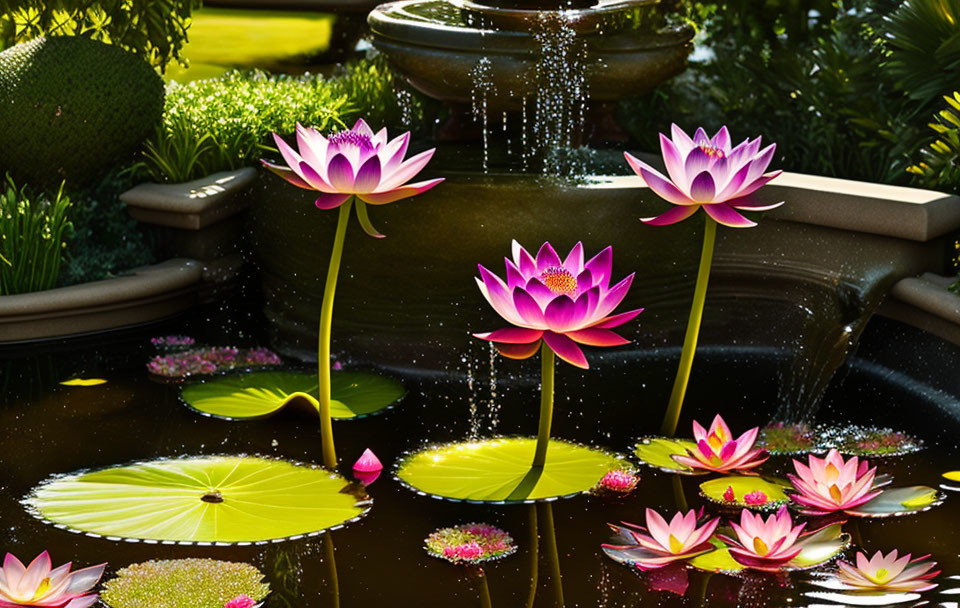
(658, 452)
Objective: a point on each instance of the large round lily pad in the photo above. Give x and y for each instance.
(261, 394)
(499, 470)
(658, 452)
(201, 500)
(895, 502)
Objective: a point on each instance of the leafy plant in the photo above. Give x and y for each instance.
(105, 241)
(225, 123)
(939, 165)
(924, 41)
(33, 230)
(154, 29)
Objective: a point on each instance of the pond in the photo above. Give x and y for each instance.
(380, 560)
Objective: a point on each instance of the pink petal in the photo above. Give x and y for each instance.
(756, 184)
(393, 153)
(514, 277)
(615, 296)
(382, 198)
(528, 309)
(512, 335)
(727, 216)
(566, 349)
(331, 201)
(601, 266)
(289, 156)
(671, 216)
(703, 188)
(288, 174)
(547, 258)
(701, 138)
(682, 141)
(340, 173)
(560, 314)
(523, 260)
(313, 178)
(663, 187)
(673, 160)
(83, 602)
(406, 171)
(722, 139)
(574, 260)
(597, 337)
(362, 127)
(368, 177)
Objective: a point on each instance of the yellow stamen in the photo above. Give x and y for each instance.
(559, 280)
(715, 442)
(831, 472)
(881, 576)
(760, 547)
(42, 589)
(835, 494)
(711, 151)
(675, 545)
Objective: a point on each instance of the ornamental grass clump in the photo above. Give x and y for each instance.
(33, 231)
(183, 583)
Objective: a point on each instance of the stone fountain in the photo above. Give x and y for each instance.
(560, 63)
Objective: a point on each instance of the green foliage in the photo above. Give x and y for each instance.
(939, 165)
(33, 228)
(183, 583)
(153, 29)
(106, 241)
(76, 106)
(924, 40)
(823, 97)
(225, 123)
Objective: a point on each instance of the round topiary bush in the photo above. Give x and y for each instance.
(70, 107)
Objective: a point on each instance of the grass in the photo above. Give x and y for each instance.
(221, 39)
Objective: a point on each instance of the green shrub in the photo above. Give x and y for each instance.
(106, 241)
(225, 123)
(153, 29)
(73, 107)
(33, 230)
(924, 40)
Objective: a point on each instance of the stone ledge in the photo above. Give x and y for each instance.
(149, 293)
(190, 205)
(924, 302)
(896, 211)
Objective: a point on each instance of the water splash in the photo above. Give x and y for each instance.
(493, 408)
(483, 87)
(473, 412)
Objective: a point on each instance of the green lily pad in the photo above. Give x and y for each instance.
(658, 452)
(818, 548)
(714, 489)
(203, 500)
(894, 502)
(261, 394)
(499, 470)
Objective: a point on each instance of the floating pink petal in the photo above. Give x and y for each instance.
(728, 494)
(368, 463)
(241, 601)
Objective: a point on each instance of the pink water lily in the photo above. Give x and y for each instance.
(764, 544)
(889, 572)
(710, 173)
(564, 303)
(241, 601)
(718, 451)
(39, 584)
(357, 162)
(827, 485)
(661, 543)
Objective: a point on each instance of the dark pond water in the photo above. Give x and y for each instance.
(899, 377)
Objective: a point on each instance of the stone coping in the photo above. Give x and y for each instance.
(190, 205)
(147, 294)
(896, 211)
(926, 303)
(332, 6)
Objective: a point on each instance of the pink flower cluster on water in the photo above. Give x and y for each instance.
(469, 543)
(210, 361)
(241, 601)
(619, 481)
(162, 341)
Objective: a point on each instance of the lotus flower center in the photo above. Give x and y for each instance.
(675, 545)
(836, 494)
(760, 547)
(559, 280)
(715, 442)
(42, 589)
(881, 576)
(712, 151)
(351, 138)
(831, 472)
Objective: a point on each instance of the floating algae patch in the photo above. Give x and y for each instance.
(183, 583)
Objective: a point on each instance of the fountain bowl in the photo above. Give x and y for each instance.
(436, 50)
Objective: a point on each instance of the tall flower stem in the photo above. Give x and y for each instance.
(326, 324)
(546, 405)
(672, 417)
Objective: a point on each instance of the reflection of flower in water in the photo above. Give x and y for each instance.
(210, 361)
(470, 543)
(172, 342)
